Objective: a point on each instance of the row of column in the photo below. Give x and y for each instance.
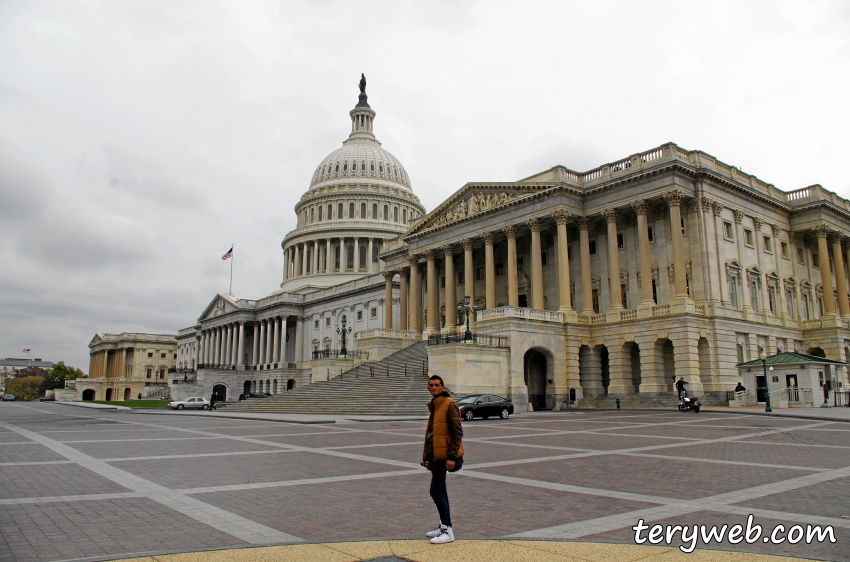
(223, 345)
(827, 238)
(411, 293)
(321, 256)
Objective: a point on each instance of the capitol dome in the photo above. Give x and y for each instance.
(359, 198)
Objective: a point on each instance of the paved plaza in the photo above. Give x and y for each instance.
(80, 483)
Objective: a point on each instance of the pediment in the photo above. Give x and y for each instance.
(97, 339)
(473, 200)
(220, 305)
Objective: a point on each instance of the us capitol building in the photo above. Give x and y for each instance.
(609, 282)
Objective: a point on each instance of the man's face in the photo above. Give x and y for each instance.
(435, 387)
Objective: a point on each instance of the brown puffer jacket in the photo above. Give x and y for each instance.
(444, 435)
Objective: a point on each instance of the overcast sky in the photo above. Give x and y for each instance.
(140, 139)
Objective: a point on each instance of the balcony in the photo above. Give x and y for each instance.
(519, 312)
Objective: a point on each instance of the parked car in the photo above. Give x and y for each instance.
(195, 402)
(10, 398)
(484, 406)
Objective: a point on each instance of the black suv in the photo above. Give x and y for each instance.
(484, 406)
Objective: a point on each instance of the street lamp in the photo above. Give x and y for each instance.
(467, 309)
(763, 357)
(343, 333)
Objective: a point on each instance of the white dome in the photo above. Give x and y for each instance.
(361, 158)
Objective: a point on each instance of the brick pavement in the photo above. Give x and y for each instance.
(181, 483)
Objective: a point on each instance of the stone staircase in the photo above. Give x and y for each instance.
(399, 387)
(663, 401)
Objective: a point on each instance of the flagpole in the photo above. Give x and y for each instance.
(231, 271)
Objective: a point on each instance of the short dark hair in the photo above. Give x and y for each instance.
(436, 378)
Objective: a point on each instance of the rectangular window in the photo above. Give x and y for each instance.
(359, 315)
(569, 252)
(771, 297)
(461, 278)
(328, 322)
(595, 295)
(728, 231)
(655, 291)
(315, 324)
(748, 237)
(162, 356)
(592, 245)
(754, 298)
(625, 296)
(150, 354)
(520, 264)
(543, 258)
(621, 241)
(784, 247)
(500, 269)
(733, 292)
(651, 234)
(442, 281)
(768, 247)
(149, 372)
(815, 260)
(373, 313)
(480, 273)
(801, 256)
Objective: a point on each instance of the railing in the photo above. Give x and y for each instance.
(652, 155)
(176, 370)
(583, 319)
(217, 367)
(699, 309)
(809, 324)
(628, 315)
(192, 380)
(662, 310)
(621, 165)
(742, 398)
(798, 194)
(521, 312)
(384, 333)
(592, 175)
(494, 340)
(598, 319)
(337, 353)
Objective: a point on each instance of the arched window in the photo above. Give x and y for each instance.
(349, 259)
(403, 216)
(371, 166)
(336, 257)
(374, 211)
(386, 212)
(381, 168)
(339, 211)
(330, 213)
(362, 256)
(345, 167)
(351, 210)
(320, 213)
(362, 210)
(363, 166)
(313, 215)
(337, 167)
(395, 214)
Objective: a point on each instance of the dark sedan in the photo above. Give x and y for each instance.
(484, 406)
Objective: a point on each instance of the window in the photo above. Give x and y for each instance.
(500, 268)
(386, 212)
(733, 291)
(569, 253)
(375, 254)
(328, 322)
(655, 291)
(371, 166)
(754, 296)
(461, 278)
(359, 315)
(748, 237)
(520, 264)
(349, 260)
(595, 295)
(330, 209)
(149, 373)
(728, 231)
(362, 210)
(543, 258)
(404, 216)
(313, 215)
(150, 354)
(815, 260)
(395, 214)
(320, 213)
(801, 256)
(480, 273)
(807, 310)
(175, 356)
(650, 233)
(339, 211)
(771, 298)
(351, 210)
(442, 281)
(768, 247)
(789, 303)
(374, 211)
(373, 312)
(345, 167)
(363, 256)
(315, 324)
(784, 248)
(621, 241)
(624, 295)
(592, 245)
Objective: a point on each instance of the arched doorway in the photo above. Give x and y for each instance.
(704, 352)
(126, 394)
(246, 388)
(606, 368)
(535, 366)
(219, 392)
(88, 394)
(631, 352)
(290, 384)
(274, 386)
(664, 349)
(108, 394)
(817, 352)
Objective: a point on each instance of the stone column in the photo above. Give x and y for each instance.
(297, 249)
(124, 362)
(342, 256)
(199, 358)
(218, 341)
(489, 271)
(513, 296)
(369, 256)
(208, 346)
(255, 355)
(433, 321)
(328, 256)
(619, 369)
(840, 276)
(825, 277)
(673, 199)
(537, 300)
(234, 358)
(415, 303)
(402, 301)
(356, 254)
(261, 358)
(282, 348)
(469, 272)
(315, 257)
(586, 282)
(451, 289)
(286, 264)
(565, 305)
(388, 300)
(614, 290)
(230, 347)
(276, 345)
(269, 335)
(299, 352)
(644, 263)
(241, 350)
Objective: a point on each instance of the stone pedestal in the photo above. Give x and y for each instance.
(471, 369)
(382, 343)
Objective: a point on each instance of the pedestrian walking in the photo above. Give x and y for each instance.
(443, 453)
(212, 402)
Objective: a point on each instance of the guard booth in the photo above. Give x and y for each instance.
(794, 380)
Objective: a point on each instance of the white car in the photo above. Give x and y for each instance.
(194, 402)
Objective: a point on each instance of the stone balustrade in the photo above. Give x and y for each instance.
(384, 333)
(663, 310)
(810, 324)
(628, 315)
(521, 312)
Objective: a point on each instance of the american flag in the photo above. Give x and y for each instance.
(228, 255)
(27, 350)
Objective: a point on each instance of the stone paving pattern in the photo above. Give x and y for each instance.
(563, 476)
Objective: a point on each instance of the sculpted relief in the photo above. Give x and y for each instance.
(477, 202)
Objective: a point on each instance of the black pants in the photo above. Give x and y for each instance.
(439, 493)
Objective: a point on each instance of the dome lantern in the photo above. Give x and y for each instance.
(362, 116)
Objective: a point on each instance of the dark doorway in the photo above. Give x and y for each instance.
(219, 392)
(108, 394)
(88, 394)
(126, 394)
(817, 352)
(535, 379)
(290, 384)
(246, 388)
(606, 368)
(760, 394)
(523, 301)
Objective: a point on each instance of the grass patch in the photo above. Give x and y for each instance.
(136, 403)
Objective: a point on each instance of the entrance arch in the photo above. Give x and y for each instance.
(108, 394)
(219, 392)
(631, 352)
(274, 386)
(126, 394)
(817, 352)
(536, 366)
(246, 388)
(290, 384)
(88, 394)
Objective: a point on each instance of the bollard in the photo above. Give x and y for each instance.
(618, 403)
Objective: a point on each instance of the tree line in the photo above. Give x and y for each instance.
(30, 383)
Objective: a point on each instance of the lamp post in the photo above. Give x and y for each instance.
(763, 357)
(343, 333)
(467, 309)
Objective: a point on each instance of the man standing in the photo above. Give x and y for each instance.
(443, 453)
(680, 386)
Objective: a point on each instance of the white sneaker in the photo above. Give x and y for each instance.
(446, 536)
(436, 532)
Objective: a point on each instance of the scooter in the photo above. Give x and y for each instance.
(687, 404)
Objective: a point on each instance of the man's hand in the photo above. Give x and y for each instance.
(450, 465)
